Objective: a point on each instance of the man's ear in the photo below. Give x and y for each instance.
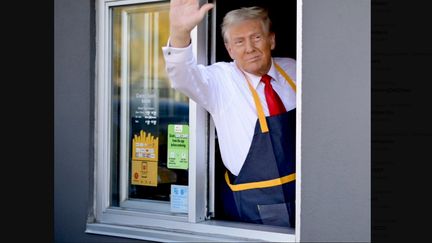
(272, 40)
(228, 48)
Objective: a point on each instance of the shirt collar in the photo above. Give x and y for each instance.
(255, 80)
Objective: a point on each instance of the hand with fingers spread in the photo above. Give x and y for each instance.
(184, 16)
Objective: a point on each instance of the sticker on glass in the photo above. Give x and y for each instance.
(178, 147)
(144, 159)
(179, 198)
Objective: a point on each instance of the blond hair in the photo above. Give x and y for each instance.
(243, 14)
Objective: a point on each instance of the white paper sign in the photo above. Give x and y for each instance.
(179, 199)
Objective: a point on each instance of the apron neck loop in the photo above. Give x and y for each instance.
(261, 116)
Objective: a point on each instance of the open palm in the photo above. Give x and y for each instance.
(186, 14)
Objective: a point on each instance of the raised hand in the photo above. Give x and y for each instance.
(184, 16)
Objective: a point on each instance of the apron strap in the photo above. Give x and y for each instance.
(285, 75)
(261, 116)
(259, 184)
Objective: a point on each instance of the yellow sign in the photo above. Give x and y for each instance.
(144, 173)
(145, 147)
(145, 159)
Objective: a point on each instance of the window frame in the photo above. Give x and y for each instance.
(146, 204)
(160, 226)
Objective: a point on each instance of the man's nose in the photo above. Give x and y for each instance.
(249, 45)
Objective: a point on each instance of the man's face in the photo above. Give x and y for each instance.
(250, 46)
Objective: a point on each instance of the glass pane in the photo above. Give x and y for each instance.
(144, 105)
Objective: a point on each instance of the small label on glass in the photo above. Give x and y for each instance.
(179, 199)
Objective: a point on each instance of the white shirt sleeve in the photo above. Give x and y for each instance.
(192, 79)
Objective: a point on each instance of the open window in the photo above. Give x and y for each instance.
(284, 24)
(156, 151)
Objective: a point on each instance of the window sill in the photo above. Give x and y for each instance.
(207, 231)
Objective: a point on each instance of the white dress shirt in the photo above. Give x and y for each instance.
(222, 90)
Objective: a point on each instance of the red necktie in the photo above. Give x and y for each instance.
(274, 102)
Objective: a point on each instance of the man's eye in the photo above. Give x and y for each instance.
(257, 37)
(238, 42)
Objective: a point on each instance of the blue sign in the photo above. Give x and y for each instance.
(179, 199)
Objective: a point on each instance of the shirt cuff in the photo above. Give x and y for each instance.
(177, 55)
